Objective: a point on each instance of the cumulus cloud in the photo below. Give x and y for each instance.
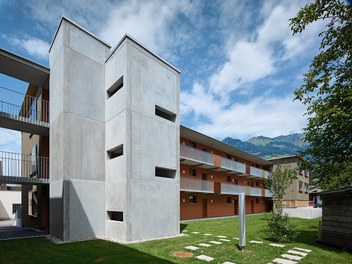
(33, 46)
(10, 140)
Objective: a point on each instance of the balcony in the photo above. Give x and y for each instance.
(23, 169)
(232, 189)
(196, 157)
(268, 193)
(258, 173)
(23, 112)
(253, 191)
(196, 185)
(234, 167)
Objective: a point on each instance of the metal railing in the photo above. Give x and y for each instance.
(233, 165)
(23, 107)
(196, 185)
(258, 172)
(227, 188)
(196, 154)
(255, 191)
(20, 165)
(268, 193)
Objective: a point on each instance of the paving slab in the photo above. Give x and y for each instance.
(228, 262)
(255, 242)
(277, 245)
(205, 258)
(215, 242)
(236, 238)
(284, 261)
(204, 245)
(208, 234)
(291, 257)
(302, 249)
(222, 236)
(295, 252)
(195, 233)
(224, 239)
(192, 247)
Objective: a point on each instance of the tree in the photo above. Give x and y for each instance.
(280, 228)
(327, 92)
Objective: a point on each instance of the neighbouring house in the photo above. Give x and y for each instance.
(10, 201)
(121, 166)
(336, 224)
(297, 194)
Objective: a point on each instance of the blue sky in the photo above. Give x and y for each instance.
(238, 59)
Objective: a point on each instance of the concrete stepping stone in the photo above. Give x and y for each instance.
(208, 234)
(236, 238)
(192, 248)
(222, 236)
(302, 249)
(277, 245)
(215, 242)
(184, 231)
(205, 258)
(295, 252)
(255, 242)
(228, 262)
(291, 257)
(204, 245)
(284, 261)
(225, 240)
(195, 233)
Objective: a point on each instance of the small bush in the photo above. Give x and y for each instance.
(279, 228)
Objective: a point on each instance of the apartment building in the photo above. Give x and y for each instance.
(214, 173)
(121, 166)
(297, 194)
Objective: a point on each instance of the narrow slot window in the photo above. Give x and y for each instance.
(165, 113)
(228, 200)
(115, 87)
(115, 152)
(115, 216)
(165, 173)
(192, 199)
(192, 172)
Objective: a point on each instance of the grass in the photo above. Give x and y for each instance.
(40, 250)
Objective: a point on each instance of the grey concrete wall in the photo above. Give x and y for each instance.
(77, 124)
(150, 204)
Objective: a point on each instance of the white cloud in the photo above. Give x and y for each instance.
(33, 46)
(10, 140)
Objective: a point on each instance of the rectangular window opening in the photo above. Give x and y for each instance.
(115, 87)
(115, 152)
(228, 178)
(159, 111)
(257, 200)
(228, 200)
(165, 173)
(115, 216)
(192, 199)
(192, 172)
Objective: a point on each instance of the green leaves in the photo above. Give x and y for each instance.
(327, 92)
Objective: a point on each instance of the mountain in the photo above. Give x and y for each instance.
(266, 147)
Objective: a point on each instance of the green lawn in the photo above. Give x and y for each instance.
(40, 250)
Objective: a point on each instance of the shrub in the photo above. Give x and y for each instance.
(279, 228)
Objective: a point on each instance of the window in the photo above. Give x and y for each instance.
(115, 216)
(192, 144)
(257, 200)
(300, 186)
(256, 183)
(15, 208)
(33, 203)
(165, 173)
(33, 155)
(115, 152)
(192, 172)
(192, 199)
(228, 200)
(228, 178)
(159, 111)
(306, 187)
(115, 87)
(236, 181)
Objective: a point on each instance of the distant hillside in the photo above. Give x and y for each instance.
(266, 147)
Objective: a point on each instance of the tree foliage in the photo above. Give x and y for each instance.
(327, 92)
(280, 228)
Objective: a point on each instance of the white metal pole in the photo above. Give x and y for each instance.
(242, 212)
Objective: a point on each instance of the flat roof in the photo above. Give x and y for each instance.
(23, 69)
(288, 157)
(338, 191)
(126, 36)
(219, 145)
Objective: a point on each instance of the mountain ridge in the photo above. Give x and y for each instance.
(266, 147)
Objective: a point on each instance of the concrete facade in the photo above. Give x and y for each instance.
(7, 199)
(108, 142)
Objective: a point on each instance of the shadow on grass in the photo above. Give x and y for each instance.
(183, 227)
(95, 251)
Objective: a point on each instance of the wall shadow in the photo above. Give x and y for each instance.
(183, 227)
(3, 213)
